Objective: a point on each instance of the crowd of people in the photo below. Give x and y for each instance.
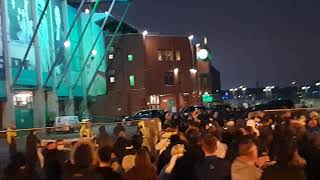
(199, 145)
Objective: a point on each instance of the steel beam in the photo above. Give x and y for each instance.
(60, 52)
(95, 42)
(78, 44)
(24, 59)
(109, 45)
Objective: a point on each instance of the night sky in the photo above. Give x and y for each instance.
(274, 42)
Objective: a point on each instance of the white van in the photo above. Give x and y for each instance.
(66, 123)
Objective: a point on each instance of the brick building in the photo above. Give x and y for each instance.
(152, 72)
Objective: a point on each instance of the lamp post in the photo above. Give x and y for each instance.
(232, 91)
(318, 87)
(305, 88)
(268, 91)
(244, 91)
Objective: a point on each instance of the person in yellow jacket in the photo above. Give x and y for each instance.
(86, 130)
(11, 138)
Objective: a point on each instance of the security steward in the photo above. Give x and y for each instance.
(86, 130)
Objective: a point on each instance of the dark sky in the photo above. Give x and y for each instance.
(270, 41)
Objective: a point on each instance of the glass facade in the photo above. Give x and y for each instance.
(48, 53)
(51, 36)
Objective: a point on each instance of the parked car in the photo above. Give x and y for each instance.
(66, 123)
(145, 114)
(190, 109)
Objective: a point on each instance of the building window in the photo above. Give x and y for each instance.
(169, 78)
(154, 99)
(168, 55)
(110, 56)
(160, 55)
(27, 65)
(112, 79)
(130, 57)
(16, 63)
(23, 99)
(178, 55)
(112, 72)
(111, 49)
(131, 81)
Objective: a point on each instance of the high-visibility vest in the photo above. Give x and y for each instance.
(10, 135)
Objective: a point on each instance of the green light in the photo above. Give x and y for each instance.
(130, 57)
(203, 54)
(111, 49)
(132, 81)
(207, 98)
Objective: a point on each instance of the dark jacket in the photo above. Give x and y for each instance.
(24, 173)
(31, 149)
(213, 168)
(53, 164)
(284, 172)
(104, 139)
(108, 173)
(184, 168)
(77, 173)
(120, 147)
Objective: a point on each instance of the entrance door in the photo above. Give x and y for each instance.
(171, 105)
(24, 118)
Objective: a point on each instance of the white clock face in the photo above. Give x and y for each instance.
(203, 54)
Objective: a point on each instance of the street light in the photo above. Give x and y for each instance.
(193, 70)
(233, 91)
(191, 37)
(203, 54)
(268, 90)
(176, 70)
(87, 11)
(198, 45)
(293, 83)
(94, 52)
(66, 44)
(318, 84)
(145, 32)
(305, 88)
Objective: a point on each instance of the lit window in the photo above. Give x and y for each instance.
(130, 57)
(110, 56)
(178, 55)
(170, 56)
(160, 58)
(154, 99)
(112, 79)
(131, 81)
